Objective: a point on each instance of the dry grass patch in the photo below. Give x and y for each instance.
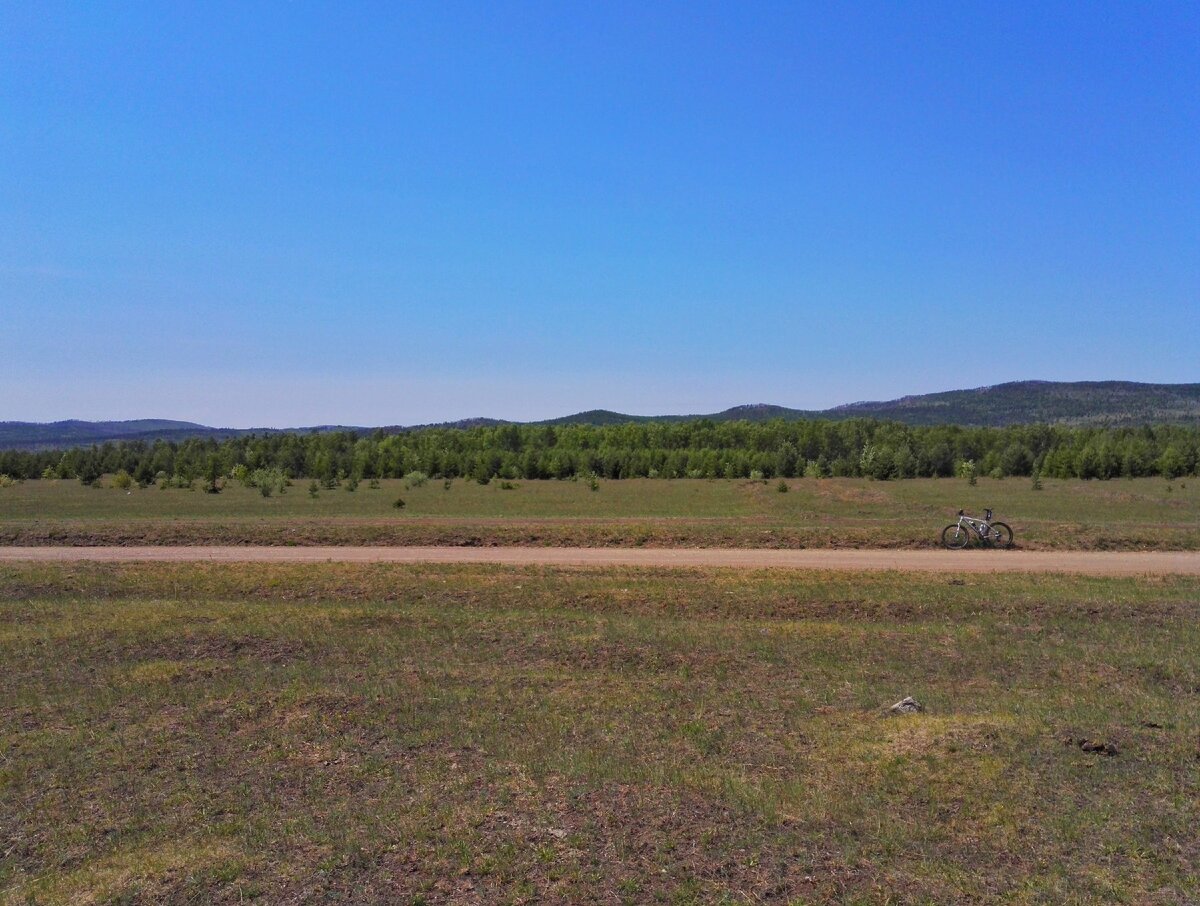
(404, 734)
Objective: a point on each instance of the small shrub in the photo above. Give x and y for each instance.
(373, 484)
(415, 479)
(446, 484)
(782, 487)
(593, 483)
(7, 481)
(756, 475)
(352, 483)
(812, 469)
(968, 470)
(314, 489)
(241, 474)
(48, 474)
(483, 479)
(399, 503)
(508, 486)
(653, 473)
(269, 481)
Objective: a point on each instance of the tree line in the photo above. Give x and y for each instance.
(696, 449)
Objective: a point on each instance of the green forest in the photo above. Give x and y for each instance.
(696, 449)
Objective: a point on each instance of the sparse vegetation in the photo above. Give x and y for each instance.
(203, 733)
(834, 512)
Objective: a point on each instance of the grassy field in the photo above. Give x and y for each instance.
(1139, 514)
(190, 733)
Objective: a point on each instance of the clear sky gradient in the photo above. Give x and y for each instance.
(298, 213)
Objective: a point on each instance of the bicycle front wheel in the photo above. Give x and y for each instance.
(955, 537)
(1000, 536)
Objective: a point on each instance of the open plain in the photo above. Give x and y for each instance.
(1138, 514)
(693, 708)
(431, 733)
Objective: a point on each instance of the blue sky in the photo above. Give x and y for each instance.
(284, 214)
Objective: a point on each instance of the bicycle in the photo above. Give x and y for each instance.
(957, 535)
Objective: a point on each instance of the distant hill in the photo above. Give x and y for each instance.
(75, 433)
(1019, 402)
(1016, 403)
(754, 412)
(1032, 402)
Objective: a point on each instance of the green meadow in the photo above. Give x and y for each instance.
(1141, 513)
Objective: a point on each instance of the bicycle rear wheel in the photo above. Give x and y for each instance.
(1000, 536)
(955, 537)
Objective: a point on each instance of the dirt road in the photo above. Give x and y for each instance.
(1122, 563)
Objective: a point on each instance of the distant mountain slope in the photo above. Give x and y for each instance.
(755, 412)
(1026, 402)
(1019, 402)
(74, 433)
(1016, 403)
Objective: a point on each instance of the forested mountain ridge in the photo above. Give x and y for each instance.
(1078, 403)
(1041, 402)
(75, 433)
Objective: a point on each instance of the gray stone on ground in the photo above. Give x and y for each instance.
(906, 705)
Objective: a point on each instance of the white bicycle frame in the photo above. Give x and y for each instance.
(982, 527)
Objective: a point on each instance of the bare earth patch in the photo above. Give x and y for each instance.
(1113, 563)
